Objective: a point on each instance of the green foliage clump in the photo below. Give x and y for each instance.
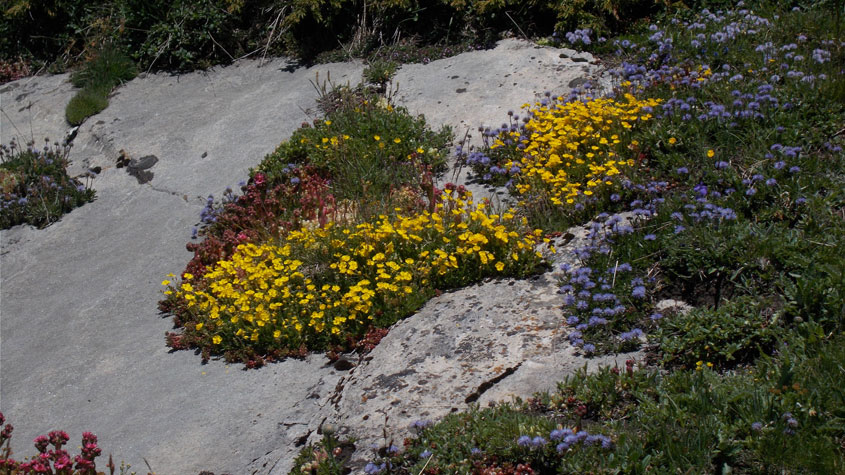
(368, 147)
(35, 187)
(187, 35)
(108, 68)
(98, 76)
(379, 72)
(85, 103)
(735, 332)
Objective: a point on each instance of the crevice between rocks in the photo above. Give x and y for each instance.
(476, 395)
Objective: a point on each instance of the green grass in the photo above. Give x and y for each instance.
(85, 103)
(106, 70)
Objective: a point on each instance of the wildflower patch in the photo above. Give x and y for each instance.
(325, 287)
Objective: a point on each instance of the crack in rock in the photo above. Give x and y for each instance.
(489, 384)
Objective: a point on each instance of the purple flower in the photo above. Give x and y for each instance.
(372, 468)
(523, 441)
(630, 335)
(682, 171)
(756, 426)
(638, 292)
(721, 165)
(538, 442)
(794, 169)
(649, 237)
(589, 348)
(656, 316)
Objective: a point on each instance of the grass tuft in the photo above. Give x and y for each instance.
(108, 68)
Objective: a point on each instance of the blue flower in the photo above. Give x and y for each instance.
(372, 468)
(638, 292)
(538, 441)
(421, 424)
(523, 441)
(426, 454)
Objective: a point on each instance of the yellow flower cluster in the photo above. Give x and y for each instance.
(571, 147)
(345, 278)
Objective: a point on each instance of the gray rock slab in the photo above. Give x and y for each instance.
(32, 109)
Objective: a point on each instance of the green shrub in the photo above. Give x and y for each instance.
(369, 148)
(186, 35)
(35, 187)
(738, 331)
(379, 72)
(108, 68)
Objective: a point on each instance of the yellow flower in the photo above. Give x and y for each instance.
(672, 140)
(328, 122)
(420, 150)
(188, 276)
(376, 137)
(397, 140)
(216, 339)
(500, 266)
(710, 153)
(165, 282)
(199, 326)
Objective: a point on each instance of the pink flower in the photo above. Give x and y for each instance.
(83, 464)
(90, 451)
(58, 438)
(63, 462)
(41, 443)
(88, 437)
(259, 179)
